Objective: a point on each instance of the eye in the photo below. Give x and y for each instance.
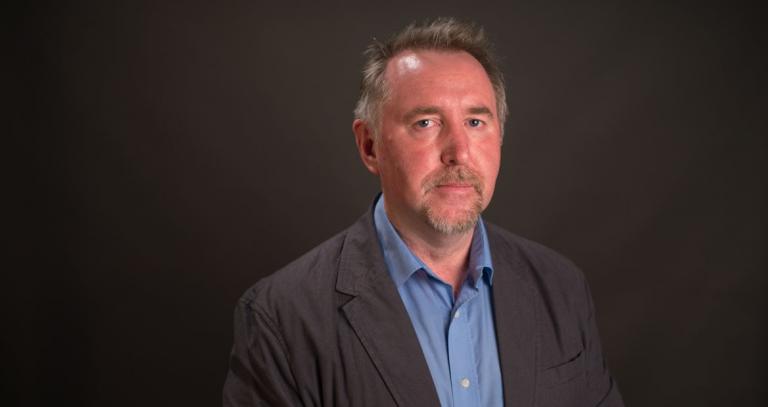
(424, 123)
(475, 122)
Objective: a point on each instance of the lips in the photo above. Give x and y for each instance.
(455, 186)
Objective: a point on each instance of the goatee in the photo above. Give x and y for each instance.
(460, 220)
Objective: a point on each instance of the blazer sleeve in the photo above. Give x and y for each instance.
(259, 369)
(602, 389)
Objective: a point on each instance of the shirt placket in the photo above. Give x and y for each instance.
(461, 356)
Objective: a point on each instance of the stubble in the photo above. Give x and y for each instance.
(459, 220)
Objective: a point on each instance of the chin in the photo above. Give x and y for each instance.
(451, 221)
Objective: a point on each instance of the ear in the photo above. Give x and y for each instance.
(366, 145)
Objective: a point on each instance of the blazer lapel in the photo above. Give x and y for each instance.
(515, 317)
(380, 320)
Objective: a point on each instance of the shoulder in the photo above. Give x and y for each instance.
(535, 263)
(520, 249)
(306, 282)
(555, 284)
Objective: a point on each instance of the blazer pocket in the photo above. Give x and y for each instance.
(563, 372)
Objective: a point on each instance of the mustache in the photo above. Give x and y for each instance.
(453, 175)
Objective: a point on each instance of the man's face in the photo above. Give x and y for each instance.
(438, 147)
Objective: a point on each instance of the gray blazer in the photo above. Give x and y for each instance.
(329, 329)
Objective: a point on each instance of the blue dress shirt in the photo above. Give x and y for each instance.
(457, 335)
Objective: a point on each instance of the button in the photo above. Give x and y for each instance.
(464, 383)
(457, 314)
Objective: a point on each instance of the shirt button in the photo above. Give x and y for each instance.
(464, 383)
(457, 314)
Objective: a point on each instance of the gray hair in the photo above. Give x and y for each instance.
(440, 34)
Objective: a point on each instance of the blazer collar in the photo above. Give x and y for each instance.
(515, 315)
(379, 318)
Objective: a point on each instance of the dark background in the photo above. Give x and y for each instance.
(163, 157)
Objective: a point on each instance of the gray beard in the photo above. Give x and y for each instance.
(463, 224)
(467, 220)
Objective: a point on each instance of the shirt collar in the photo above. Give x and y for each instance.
(402, 263)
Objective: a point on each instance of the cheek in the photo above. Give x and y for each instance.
(491, 163)
(407, 164)
(494, 165)
(398, 173)
(409, 174)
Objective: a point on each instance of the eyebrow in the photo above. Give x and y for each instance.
(480, 110)
(420, 110)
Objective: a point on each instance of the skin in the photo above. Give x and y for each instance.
(439, 122)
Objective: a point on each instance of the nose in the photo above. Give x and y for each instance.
(455, 146)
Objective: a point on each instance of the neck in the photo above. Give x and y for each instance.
(447, 255)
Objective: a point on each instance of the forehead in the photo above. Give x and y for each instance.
(413, 61)
(428, 73)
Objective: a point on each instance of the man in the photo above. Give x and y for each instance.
(420, 302)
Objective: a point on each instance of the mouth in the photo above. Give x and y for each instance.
(456, 186)
(456, 189)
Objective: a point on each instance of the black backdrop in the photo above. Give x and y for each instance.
(169, 155)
